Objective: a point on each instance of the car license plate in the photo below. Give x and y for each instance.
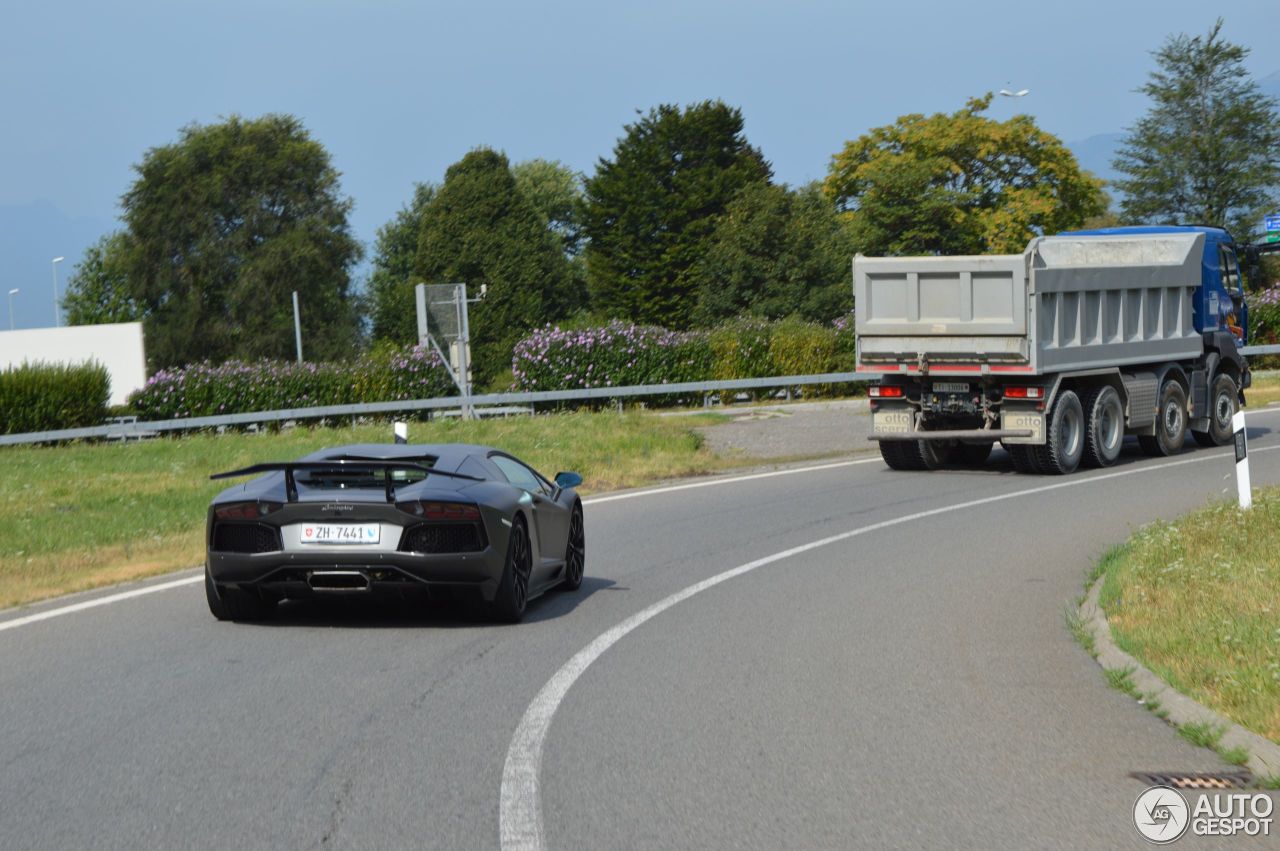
(340, 533)
(1018, 421)
(891, 422)
(950, 387)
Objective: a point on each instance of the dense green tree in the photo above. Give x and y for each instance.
(555, 190)
(392, 309)
(1208, 150)
(959, 184)
(98, 291)
(775, 253)
(651, 209)
(481, 230)
(223, 226)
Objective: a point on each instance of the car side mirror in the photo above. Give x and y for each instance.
(568, 480)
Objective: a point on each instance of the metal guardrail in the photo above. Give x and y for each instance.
(129, 430)
(122, 431)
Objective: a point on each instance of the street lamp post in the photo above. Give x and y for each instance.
(56, 261)
(12, 293)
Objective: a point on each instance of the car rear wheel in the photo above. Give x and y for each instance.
(513, 589)
(1223, 398)
(575, 557)
(232, 604)
(1171, 422)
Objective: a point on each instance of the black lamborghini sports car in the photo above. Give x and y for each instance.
(401, 518)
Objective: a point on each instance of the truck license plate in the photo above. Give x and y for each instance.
(339, 533)
(890, 422)
(950, 387)
(1023, 420)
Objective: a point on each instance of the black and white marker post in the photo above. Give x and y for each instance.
(1242, 461)
(402, 432)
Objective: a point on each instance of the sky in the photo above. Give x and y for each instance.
(398, 90)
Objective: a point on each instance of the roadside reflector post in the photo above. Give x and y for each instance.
(1242, 461)
(402, 432)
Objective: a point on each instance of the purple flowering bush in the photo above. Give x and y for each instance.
(203, 389)
(612, 355)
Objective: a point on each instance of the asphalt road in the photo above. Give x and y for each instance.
(909, 686)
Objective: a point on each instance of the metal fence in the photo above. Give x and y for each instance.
(131, 430)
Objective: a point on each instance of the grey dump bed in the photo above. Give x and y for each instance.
(1067, 303)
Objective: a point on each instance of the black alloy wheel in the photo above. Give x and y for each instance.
(575, 557)
(513, 589)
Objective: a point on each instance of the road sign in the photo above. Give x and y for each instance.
(1271, 222)
(1273, 237)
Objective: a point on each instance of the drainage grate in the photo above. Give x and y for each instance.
(1196, 780)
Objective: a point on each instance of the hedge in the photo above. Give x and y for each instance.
(619, 354)
(44, 397)
(234, 387)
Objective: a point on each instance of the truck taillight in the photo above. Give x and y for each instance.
(441, 510)
(245, 510)
(884, 391)
(1024, 392)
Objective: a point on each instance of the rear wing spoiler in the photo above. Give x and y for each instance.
(353, 462)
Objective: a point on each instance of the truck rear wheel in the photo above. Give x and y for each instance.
(1171, 422)
(1223, 397)
(902, 454)
(973, 454)
(1104, 419)
(1024, 460)
(1062, 451)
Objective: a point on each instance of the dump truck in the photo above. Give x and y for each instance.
(1057, 353)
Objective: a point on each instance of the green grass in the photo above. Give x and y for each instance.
(82, 515)
(1198, 602)
(1265, 390)
(1204, 735)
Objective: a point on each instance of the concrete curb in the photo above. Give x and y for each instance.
(1264, 754)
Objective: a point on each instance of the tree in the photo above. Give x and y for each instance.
(555, 191)
(392, 307)
(480, 230)
(224, 225)
(98, 291)
(776, 253)
(959, 184)
(1208, 150)
(650, 210)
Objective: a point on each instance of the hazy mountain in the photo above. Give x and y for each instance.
(31, 235)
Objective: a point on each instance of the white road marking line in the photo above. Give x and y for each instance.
(99, 601)
(596, 500)
(520, 826)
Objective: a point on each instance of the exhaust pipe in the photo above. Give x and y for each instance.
(338, 580)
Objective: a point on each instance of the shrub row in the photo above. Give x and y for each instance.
(205, 390)
(44, 397)
(619, 354)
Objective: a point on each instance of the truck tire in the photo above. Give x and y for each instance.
(1171, 422)
(973, 454)
(937, 454)
(902, 454)
(1024, 460)
(1064, 447)
(1104, 426)
(1223, 396)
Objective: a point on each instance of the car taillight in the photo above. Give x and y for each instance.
(884, 391)
(441, 510)
(245, 510)
(1024, 392)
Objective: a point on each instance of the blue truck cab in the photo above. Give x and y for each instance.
(1219, 303)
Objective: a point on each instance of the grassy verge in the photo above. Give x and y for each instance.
(1265, 390)
(85, 515)
(1198, 602)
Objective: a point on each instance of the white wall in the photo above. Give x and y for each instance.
(118, 347)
